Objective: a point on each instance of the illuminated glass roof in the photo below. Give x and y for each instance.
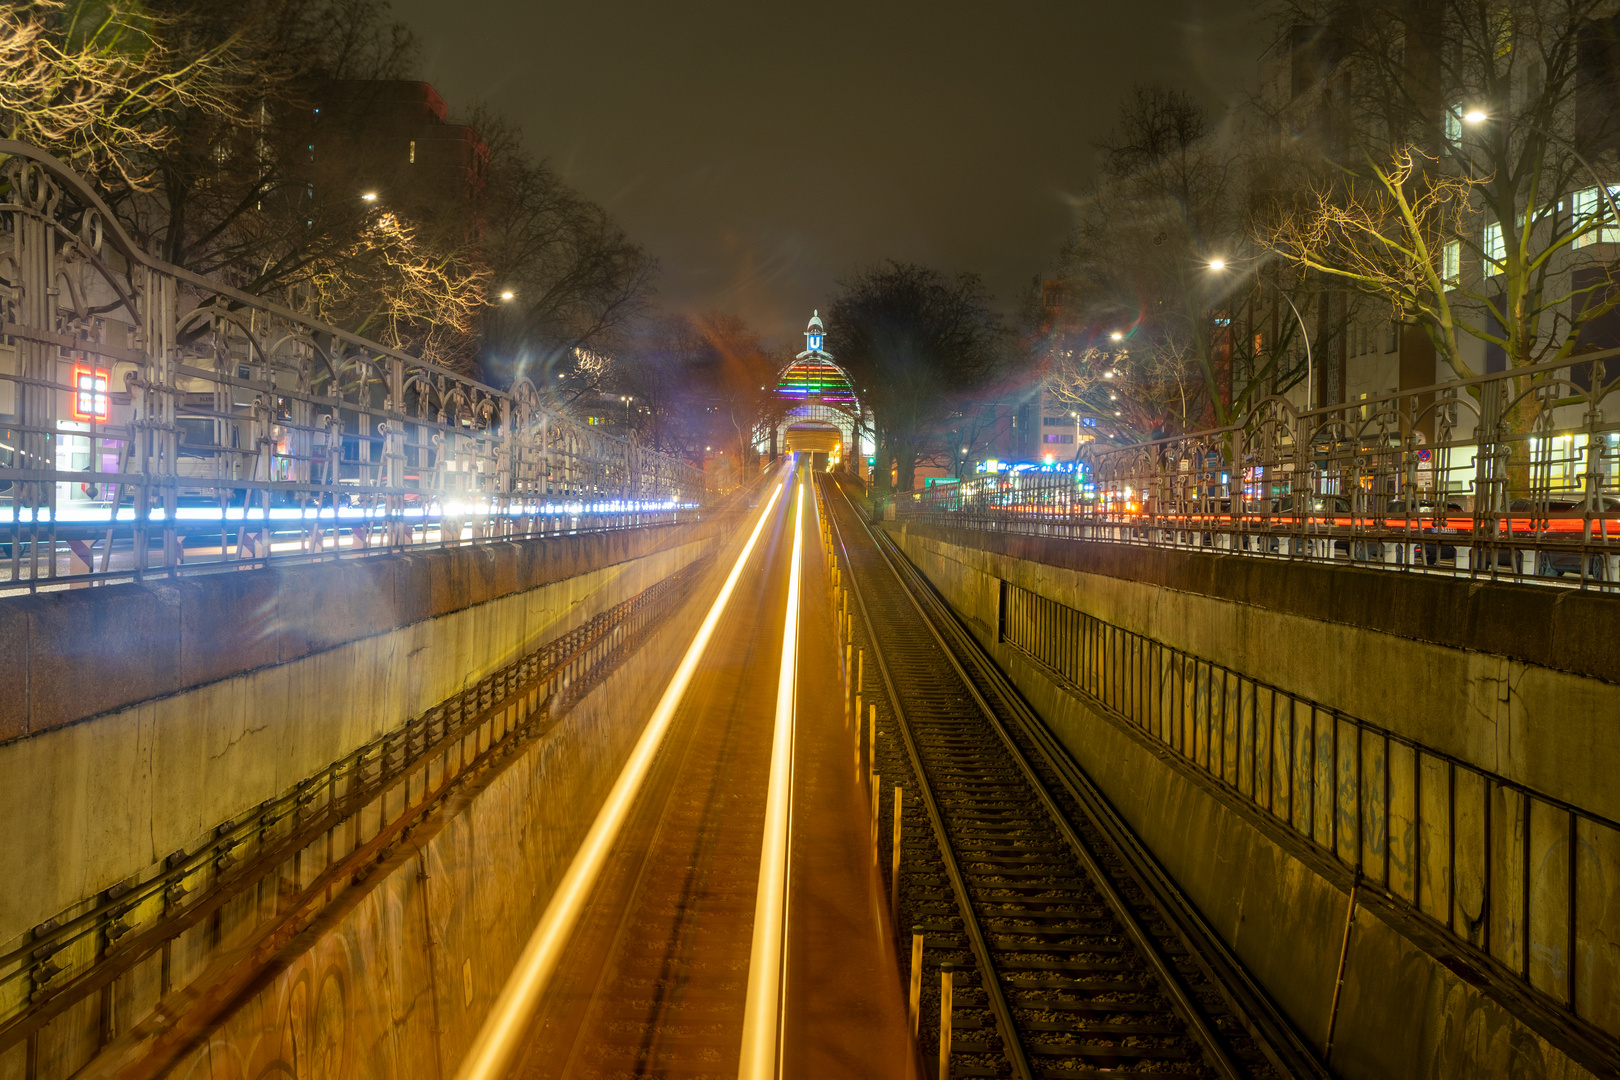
(816, 377)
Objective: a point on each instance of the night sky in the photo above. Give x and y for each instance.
(762, 151)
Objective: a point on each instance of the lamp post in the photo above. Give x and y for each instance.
(1310, 374)
(1310, 371)
(1479, 116)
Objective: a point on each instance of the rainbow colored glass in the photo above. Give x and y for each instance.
(816, 378)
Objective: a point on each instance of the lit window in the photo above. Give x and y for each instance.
(89, 393)
(1451, 262)
(1590, 213)
(1454, 124)
(1495, 248)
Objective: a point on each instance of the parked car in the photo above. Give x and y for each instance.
(1425, 507)
(1572, 510)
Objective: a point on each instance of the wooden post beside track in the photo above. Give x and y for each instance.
(871, 740)
(916, 977)
(894, 861)
(877, 796)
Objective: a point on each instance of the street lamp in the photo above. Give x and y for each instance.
(1479, 116)
(370, 196)
(1310, 380)
(507, 294)
(627, 399)
(1116, 336)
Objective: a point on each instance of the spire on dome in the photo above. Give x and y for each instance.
(813, 332)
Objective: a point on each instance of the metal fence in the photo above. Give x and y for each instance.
(154, 420)
(1520, 881)
(1508, 475)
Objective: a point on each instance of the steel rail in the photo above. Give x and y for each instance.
(970, 923)
(1168, 976)
(1272, 1035)
(1244, 998)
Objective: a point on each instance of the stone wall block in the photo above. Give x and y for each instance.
(506, 561)
(228, 623)
(1579, 640)
(480, 573)
(448, 585)
(91, 650)
(14, 647)
(413, 587)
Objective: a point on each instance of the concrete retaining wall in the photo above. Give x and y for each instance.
(1279, 905)
(399, 981)
(151, 713)
(1519, 680)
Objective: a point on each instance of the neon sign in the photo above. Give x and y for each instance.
(89, 393)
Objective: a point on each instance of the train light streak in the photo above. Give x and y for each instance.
(761, 1015)
(498, 1039)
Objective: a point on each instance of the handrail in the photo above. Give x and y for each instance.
(152, 420)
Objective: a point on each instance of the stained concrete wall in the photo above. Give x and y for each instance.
(151, 713)
(398, 985)
(1278, 904)
(1519, 680)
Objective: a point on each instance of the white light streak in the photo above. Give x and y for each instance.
(767, 957)
(497, 1040)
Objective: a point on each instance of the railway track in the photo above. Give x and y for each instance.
(1075, 956)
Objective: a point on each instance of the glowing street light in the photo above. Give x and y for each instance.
(370, 196)
(507, 294)
(1305, 335)
(1116, 336)
(1479, 116)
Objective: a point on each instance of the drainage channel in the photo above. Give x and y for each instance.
(1062, 949)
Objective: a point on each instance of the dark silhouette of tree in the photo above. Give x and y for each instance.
(577, 280)
(917, 344)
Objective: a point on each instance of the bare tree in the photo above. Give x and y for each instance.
(577, 281)
(1468, 125)
(99, 83)
(1171, 202)
(1384, 236)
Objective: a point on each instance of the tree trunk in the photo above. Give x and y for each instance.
(905, 467)
(881, 481)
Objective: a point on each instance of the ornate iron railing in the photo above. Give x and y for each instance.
(154, 420)
(1510, 475)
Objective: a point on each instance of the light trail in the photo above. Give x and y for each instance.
(498, 1039)
(762, 1014)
